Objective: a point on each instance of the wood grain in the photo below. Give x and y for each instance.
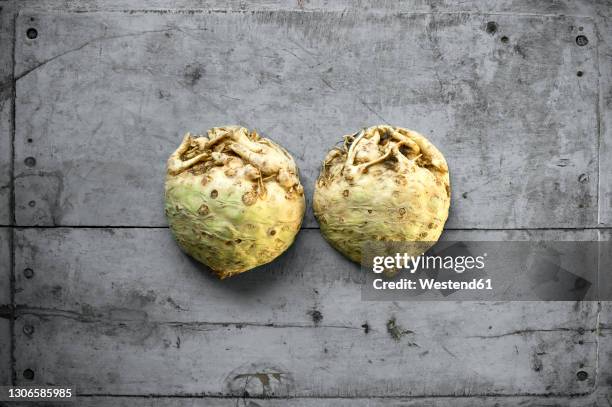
(165, 358)
(515, 123)
(144, 273)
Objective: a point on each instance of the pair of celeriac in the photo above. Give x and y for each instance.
(234, 200)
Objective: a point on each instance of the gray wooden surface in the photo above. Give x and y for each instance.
(134, 295)
(106, 90)
(6, 111)
(105, 97)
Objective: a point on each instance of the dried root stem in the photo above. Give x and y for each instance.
(377, 144)
(176, 164)
(234, 146)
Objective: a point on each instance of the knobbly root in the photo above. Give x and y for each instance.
(224, 191)
(385, 184)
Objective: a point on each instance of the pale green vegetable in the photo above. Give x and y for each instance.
(233, 199)
(386, 184)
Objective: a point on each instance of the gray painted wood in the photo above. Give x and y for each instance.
(111, 306)
(136, 274)
(124, 312)
(5, 300)
(6, 110)
(107, 99)
(179, 358)
(604, 25)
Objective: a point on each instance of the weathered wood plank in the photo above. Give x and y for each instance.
(108, 306)
(141, 274)
(106, 101)
(5, 300)
(6, 109)
(604, 27)
(181, 358)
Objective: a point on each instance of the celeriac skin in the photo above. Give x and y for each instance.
(233, 199)
(386, 184)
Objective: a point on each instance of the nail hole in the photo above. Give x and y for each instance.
(31, 19)
(28, 329)
(28, 273)
(582, 40)
(579, 74)
(583, 178)
(214, 194)
(582, 375)
(505, 39)
(491, 27)
(28, 374)
(30, 161)
(32, 204)
(32, 33)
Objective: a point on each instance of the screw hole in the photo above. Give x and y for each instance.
(28, 329)
(582, 375)
(28, 273)
(505, 39)
(32, 33)
(30, 161)
(28, 374)
(582, 40)
(579, 74)
(29, 140)
(491, 27)
(32, 204)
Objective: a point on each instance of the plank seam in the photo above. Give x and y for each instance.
(20, 310)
